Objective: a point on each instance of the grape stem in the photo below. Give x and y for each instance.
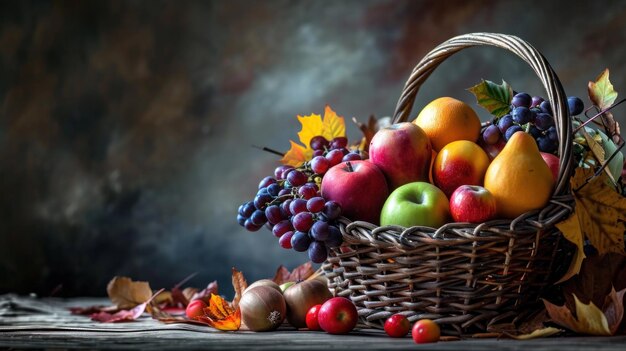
(267, 149)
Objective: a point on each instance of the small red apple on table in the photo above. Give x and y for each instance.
(312, 321)
(403, 152)
(425, 331)
(338, 316)
(397, 326)
(473, 204)
(359, 187)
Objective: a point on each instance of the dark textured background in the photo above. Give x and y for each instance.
(125, 126)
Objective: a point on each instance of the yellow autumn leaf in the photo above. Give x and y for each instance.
(589, 318)
(571, 231)
(538, 333)
(601, 211)
(296, 155)
(333, 125)
(220, 315)
(312, 125)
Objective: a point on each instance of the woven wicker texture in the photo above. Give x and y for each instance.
(466, 277)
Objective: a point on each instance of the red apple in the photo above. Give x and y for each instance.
(402, 151)
(359, 187)
(461, 162)
(553, 163)
(338, 316)
(397, 326)
(472, 203)
(425, 331)
(311, 318)
(195, 309)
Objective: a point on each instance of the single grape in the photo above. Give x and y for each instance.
(504, 123)
(262, 191)
(300, 241)
(261, 201)
(318, 252)
(302, 221)
(521, 115)
(281, 228)
(339, 142)
(315, 204)
(241, 220)
(283, 192)
(536, 101)
(544, 121)
(552, 134)
(535, 132)
(318, 143)
(313, 185)
(279, 172)
(320, 231)
(575, 105)
(251, 226)
(491, 135)
(352, 156)
(258, 218)
(335, 239)
(334, 157)
(512, 130)
(545, 107)
(546, 145)
(320, 164)
(297, 206)
(307, 192)
(318, 153)
(285, 240)
(332, 210)
(297, 178)
(266, 181)
(274, 189)
(240, 209)
(273, 214)
(521, 100)
(248, 208)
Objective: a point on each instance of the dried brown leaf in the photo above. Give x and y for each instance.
(239, 284)
(125, 293)
(281, 276)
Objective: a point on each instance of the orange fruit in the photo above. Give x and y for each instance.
(519, 178)
(446, 120)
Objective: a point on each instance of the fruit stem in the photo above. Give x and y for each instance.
(350, 166)
(271, 151)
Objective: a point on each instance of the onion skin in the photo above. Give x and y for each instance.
(301, 296)
(263, 308)
(264, 282)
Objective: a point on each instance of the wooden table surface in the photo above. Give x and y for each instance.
(27, 322)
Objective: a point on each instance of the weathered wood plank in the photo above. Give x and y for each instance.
(46, 323)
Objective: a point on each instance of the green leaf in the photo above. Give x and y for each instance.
(617, 162)
(601, 91)
(493, 97)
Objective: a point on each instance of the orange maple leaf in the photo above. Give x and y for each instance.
(330, 127)
(220, 315)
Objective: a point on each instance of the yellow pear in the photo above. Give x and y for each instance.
(519, 178)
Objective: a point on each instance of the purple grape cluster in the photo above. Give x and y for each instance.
(532, 115)
(290, 205)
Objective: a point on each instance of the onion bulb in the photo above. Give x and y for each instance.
(263, 308)
(301, 296)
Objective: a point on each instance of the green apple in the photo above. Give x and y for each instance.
(417, 203)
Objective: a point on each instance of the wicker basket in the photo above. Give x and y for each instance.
(466, 277)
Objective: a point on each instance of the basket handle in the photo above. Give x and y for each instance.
(526, 52)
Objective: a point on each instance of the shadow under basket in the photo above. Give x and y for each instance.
(466, 277)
